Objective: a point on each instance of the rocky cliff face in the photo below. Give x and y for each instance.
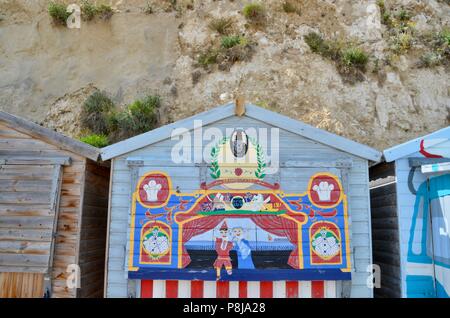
(47, 71)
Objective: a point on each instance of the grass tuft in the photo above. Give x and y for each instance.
(350, 61)
(95, 140)
(222, 26)
(228, 42)
(290, 7)
(89, 11)
(254, 13)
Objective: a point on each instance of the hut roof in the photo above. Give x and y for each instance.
(251, 111)
(415, 145)
(50, 136)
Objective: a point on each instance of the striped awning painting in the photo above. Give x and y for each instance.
(225, 289)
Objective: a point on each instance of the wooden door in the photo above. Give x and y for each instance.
(29, 200)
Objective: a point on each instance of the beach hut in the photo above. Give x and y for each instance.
(410, 194)
(239, 201)
(53, 212)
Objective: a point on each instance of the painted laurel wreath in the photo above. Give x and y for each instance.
(215, 169)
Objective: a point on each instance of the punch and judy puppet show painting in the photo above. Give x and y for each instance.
(238, 226)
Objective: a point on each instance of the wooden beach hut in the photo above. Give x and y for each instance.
(53, 211)
(239, 201)
(410, 193)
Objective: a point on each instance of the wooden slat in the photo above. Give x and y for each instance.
(26, 235)
(8, 185)
(23, 260)
(17, 247)
(25, 198)
(27, 210)
(27, 160)
(26, 222)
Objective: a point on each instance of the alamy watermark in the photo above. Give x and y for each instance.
(194, 146)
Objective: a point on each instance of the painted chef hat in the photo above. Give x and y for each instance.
(224, 226)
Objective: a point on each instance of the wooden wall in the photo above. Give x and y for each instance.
(385, 229)
(67, 242)
(93, 230)
(292, 147)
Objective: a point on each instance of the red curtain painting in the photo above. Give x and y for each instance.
(283, 227)
(275, 225)
(194, 228)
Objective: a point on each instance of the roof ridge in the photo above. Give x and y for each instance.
(252, 111)
(28, 127)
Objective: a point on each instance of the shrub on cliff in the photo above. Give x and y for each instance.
(58, 12)
(100, 116)
(96, 111)
(138, 117)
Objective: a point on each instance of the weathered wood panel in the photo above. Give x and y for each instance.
(24, 206)
(385, 229)
(25, 230)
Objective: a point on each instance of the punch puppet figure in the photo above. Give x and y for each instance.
(223, 247)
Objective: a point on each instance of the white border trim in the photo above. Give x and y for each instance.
(252, 111)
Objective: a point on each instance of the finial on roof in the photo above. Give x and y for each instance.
(240, 106)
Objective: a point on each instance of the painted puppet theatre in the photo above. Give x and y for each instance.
(234, 224)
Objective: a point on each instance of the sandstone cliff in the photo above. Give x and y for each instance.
(46, 71)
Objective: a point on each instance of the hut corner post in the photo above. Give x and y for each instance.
(133, 287)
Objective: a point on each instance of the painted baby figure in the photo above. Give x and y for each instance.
(223, 247)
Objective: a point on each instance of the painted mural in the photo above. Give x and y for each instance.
(428, 259)
(238, 226)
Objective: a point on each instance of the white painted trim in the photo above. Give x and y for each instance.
(436, 168)
(165, 132)
(313, 133)
(412, 146)
(252, 111)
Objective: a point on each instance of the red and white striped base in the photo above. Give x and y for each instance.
(207, 289)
